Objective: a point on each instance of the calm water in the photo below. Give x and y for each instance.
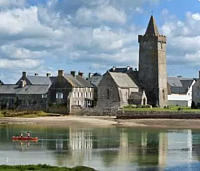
(118, 149)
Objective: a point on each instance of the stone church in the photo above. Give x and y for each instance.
(119, 86)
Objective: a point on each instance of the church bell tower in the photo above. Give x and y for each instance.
(152, 65)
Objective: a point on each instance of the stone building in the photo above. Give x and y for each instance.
(150, 80)
(29, 93)
(118, 88)
(196, 93)
(72, 90)
(180, 91)
(95, 79)
(152, 65)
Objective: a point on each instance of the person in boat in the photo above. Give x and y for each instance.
(28, 134)
(20, 134)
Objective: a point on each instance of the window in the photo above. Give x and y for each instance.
(85, 94)
(59, 95)
(44, 96)
(197, 94)
(108, 94)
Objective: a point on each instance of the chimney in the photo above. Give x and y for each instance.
(61, 73)
(73, 73)
(23, 75)
(113, 69)
(48, 74)
(90, 75)
(179, 76)
(36, 74)
(23, 83)
(80, 74)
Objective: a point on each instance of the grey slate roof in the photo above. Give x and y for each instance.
(77, 81)
(179, 85)
(34, 89)
(39, 80)
(95, 80)
(123, 80)
(84, 82)
(28, 89)
(136, 95)
(152, 28)
(8, 89)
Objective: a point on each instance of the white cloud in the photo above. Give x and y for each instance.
(20, 64)
(97, 33)
(12, 3)
(100, 14)
(183, 39)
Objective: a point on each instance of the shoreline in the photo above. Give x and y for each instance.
(103, 121)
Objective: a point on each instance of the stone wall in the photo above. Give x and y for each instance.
(107, 87)
(157, 115)
(196, 93)
(32, 102)
(152, 68)
(95, 112)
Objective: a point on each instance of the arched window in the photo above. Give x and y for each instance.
(144, 101)
(108, 93)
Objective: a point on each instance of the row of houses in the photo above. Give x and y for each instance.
(40, 92)
(118, 87)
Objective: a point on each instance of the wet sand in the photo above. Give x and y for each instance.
(103, 121)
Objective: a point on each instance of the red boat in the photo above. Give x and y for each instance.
(25, 138)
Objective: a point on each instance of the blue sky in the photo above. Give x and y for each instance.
(40, 36)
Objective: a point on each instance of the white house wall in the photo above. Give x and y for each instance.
(181, 99)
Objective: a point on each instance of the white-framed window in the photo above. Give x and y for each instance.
(90, 95)
(86, 94)
(59, 95)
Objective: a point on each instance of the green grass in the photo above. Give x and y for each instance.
(171, 109)
(42, 168)
(24, 114)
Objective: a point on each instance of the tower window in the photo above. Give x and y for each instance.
(108, 93)
(163, 94)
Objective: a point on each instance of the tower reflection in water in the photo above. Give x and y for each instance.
(119, 147)
(107, 147)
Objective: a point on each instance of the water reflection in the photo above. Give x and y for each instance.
(103, 149)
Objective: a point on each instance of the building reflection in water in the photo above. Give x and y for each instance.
(112, 147)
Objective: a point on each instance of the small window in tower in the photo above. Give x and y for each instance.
(108, 94)
(161, 45)
(163, 94)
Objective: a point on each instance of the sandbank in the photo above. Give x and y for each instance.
(103, 121)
